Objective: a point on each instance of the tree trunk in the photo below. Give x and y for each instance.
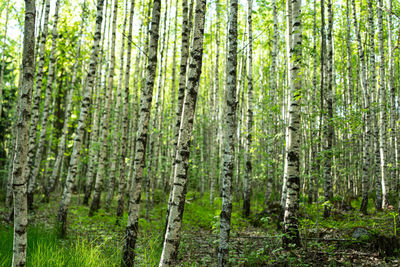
(186, 29)
(230, 131)
(19, 182)
(372, 89)
(285, 111)
(95, 205)
(213, 177)
(177, 201)
(128, 256)
(349, 87)
(382, 110)
(46, 107)
(361, 75)
(98, 100)
(292, 172)
(85, 106)
(121, 187)
(247, 179)
(37, 97)
(329, 131)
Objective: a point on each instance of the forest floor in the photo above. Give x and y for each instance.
(97, 240)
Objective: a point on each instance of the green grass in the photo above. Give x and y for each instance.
(97, 241)
(44, 249)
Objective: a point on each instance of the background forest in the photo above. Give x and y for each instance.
(199, 133)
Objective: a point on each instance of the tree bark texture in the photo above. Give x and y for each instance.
(128, 255)
(19, 182)
(177, 201)
(291, 224)
(79, 133)
(230, 132)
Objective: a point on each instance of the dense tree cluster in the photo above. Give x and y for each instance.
(119, 100)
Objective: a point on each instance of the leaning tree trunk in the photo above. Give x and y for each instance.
(291, 224)
(95, 205)
(117, 133)
(230, 131)
(122, 182)
(128, 255)
(187, 13)
(177, 201)
(46, 108)
(19, 179)
(248, 168)
(85, 106)
(61, 147)
(37, 96)
(96, 108)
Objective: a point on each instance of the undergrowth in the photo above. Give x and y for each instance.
(97, 241)
(45, 249)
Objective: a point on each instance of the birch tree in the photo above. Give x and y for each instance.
(329, 131)
(229, 136)
(37, 95)
(63, 140)
(76, 150)
(284, 110)
(121, 187)
(292, 172)
(128, 256)
(177, 202)
(382, 109)
(46, 108)
(19, 182)
(248, 171)
(95, 205)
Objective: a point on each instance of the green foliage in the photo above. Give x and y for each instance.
(44, 249)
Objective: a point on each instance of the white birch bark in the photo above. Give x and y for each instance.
(19, 182)
(392, 90)
(85, 106)
(249, 127)
(98, 100)
(118, 135)
(177, 200)
(372, 88)
(128, 256)
(285, 110)
(292, 173)
(95, 204)
(215, 149)
(229, 138)
(361, 76)
(46, 108)
(382, 109)
(37, 96)
(63, 140)
(329, 131)
(122, 182)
